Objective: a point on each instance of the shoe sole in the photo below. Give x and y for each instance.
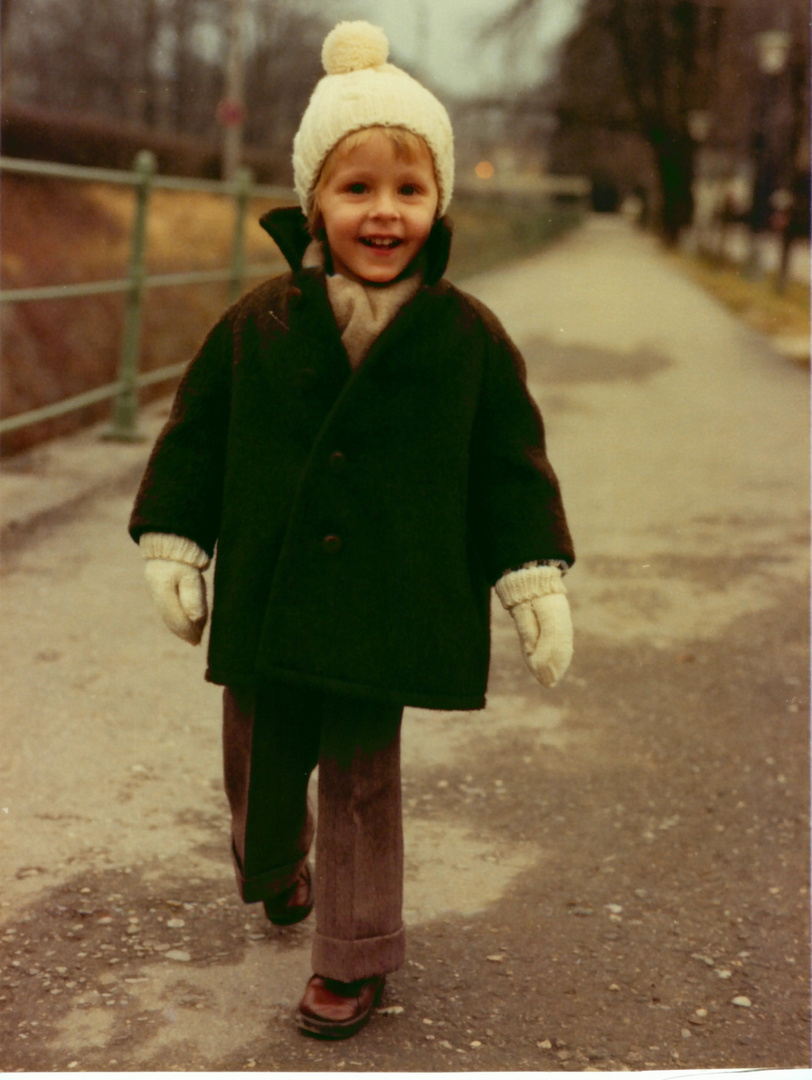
(293, 918)
(327, 1029)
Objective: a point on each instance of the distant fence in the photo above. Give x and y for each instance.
(143, 179)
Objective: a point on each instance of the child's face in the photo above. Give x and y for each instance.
(378, 208)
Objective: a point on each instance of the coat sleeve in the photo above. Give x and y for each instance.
(516, 498)
(181, 490)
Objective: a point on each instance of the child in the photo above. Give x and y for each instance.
(356, 438)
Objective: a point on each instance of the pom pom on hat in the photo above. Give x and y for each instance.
(359, 90)
(351, 46)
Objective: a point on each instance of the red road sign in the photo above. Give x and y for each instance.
(231, 113)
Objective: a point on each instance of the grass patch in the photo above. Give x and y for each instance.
(783, 315)
(490, 231)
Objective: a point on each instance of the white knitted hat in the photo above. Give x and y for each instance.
(361, 90)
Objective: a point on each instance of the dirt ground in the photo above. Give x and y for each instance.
(613, 875)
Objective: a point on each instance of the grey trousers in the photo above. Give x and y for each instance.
(273, 738)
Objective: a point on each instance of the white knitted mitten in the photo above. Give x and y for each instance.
(173, 570)
(537, 599)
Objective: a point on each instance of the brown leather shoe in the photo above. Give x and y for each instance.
(336, 1010)
(295, 903)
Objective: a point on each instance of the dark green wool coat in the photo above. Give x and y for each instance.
(360, 517)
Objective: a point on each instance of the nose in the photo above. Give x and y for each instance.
(385, 205)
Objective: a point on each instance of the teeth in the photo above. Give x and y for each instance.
(381, 242)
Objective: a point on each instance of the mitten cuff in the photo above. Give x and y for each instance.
(518, 586)
(176, 548)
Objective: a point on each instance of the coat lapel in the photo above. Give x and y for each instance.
(287, 227)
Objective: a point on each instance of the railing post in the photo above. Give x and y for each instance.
(125, 409)
(242, 193)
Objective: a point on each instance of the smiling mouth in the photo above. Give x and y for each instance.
(382, 243)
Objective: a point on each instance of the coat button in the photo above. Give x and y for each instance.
(337, 461)
(331, 544)
(307, 378)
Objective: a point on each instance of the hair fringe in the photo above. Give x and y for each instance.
(407, 145)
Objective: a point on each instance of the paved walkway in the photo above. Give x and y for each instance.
(610, 875)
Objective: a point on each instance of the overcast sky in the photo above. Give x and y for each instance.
(437, 39)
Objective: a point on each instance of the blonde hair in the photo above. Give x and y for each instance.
(407, 146)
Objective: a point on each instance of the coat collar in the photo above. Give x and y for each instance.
(287, 227)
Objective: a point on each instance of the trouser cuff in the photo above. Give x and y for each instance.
(346, 961)
(269, 883)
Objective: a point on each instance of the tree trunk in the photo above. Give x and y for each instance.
(675, 168)
(5, 11)
(149, 79)
(184, 19)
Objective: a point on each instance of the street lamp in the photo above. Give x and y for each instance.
(772, 49)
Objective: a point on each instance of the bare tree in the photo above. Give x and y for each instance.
(648, 67)
(670, 73)
(161, 63)
(149, 87)
(83, 56)
(5, 24)
(184, 15)
(281, 71)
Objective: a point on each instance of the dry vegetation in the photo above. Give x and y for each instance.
(781, 316)
(56, 232)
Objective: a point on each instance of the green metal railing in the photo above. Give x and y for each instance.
(144, 180)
